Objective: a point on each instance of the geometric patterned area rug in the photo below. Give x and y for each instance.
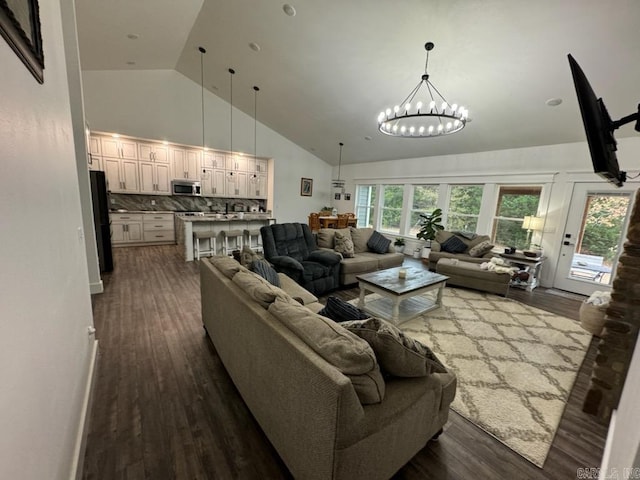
(516, 364)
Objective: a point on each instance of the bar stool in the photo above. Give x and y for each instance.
(211, 245)
(236, 236)
(250, 235)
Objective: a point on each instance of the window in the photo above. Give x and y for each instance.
(392, 196)
(365, 203)
(514, 203)
(464, 208)
(425, 200)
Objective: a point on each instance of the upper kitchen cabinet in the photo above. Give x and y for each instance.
(155, 178)
(237, 163)
(214, 159)
(153, 152)
(122, 175)
(116, 147)
(95, 153)
(262, 165)
(186, 163)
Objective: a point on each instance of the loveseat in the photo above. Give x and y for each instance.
(467, 243)
(302, 376)
(364, 260)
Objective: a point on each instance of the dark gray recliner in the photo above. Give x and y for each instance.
(292, 250)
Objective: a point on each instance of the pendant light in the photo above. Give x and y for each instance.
(232, 72)
(339, 183)
(204, 148)
(254, 178)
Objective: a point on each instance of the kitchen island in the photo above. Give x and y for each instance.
(215, 223)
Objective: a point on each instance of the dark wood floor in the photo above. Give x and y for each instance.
(165, 408)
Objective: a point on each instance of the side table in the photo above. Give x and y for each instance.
(531, 265)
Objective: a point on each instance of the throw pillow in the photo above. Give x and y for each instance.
(453, 244)
(347, 352)
(481, 248)
(247, 255)
(266, 271)
(378, 243)
(340, 311)
(343, 245)
(397, 354)
(227, 265)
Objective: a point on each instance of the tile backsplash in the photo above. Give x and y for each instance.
(181, 203)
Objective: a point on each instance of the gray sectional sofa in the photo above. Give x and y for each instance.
(308, 403)
(364, 260)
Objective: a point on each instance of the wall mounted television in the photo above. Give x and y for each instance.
(599, 128)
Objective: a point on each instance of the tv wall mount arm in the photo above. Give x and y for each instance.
(629, 118)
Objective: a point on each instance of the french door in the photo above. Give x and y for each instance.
(593, 237)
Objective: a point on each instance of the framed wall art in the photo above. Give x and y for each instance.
(306, 187)
(20, 27)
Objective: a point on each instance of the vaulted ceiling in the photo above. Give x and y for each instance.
(326, 73)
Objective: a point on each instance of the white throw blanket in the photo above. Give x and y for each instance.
(498, 265)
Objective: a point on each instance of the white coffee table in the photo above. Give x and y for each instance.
(400, 298)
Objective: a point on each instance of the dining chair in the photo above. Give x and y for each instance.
(314, 221)
(343, 220)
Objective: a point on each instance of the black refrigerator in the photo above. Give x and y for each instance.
(101, 224)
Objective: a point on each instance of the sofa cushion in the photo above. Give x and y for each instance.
(347, 352)
(360, 237)
(453, 244)
(257, 288)
(361, 263)
(227, 265)
(398, 354)
(481, 248)
(378, 243)
(390, 260)
(266, 271)
(343, 244)
(340, 311)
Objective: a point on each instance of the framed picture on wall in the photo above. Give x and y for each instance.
(306, 187)
(20, 27)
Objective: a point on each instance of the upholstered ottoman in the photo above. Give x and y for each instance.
(470, 275)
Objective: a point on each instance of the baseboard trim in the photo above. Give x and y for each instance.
(96, 287)
(83, 429)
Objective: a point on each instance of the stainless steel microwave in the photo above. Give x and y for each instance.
(186, 187)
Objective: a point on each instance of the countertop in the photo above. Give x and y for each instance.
(141, 211)
(226, 218)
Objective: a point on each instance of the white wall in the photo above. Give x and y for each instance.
(557, 167)
(165, 105)
(45, 306)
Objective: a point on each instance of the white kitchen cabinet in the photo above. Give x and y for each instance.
(153, 152)
(236, 184)
(126, 228)
(257, 186)
(95, 162)
(155, 178)
(94, 154)
(236, 163)
(119, 148)
(122, 175)
(158, 228)
(261, 165)
(213, 182)
(214, 159)
(186, 163)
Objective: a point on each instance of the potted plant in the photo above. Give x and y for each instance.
(398, 245)
(429, 225)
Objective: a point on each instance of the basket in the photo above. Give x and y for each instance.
(592, 317)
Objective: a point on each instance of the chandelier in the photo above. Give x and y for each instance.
(254, 178)
(432, 116)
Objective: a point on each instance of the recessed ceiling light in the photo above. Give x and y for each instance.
(254, 46)
(131, 62)
(367, 137)
(289, 10)
(553, 102)
(133, 36)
